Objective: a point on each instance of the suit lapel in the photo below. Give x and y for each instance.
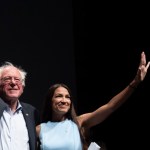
(30, 125)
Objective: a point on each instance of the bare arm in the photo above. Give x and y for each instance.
(91, 119)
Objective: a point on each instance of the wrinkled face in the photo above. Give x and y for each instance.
(11, 84)
(61, 101)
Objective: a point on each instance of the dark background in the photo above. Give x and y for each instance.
(94, 48)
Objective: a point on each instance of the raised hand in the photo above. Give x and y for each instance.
(143, 67)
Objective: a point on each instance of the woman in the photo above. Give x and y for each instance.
(62, 129)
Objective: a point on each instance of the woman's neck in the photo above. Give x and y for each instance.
(58, 118)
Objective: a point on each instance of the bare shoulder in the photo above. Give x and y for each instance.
(83, 119)
(38, 129)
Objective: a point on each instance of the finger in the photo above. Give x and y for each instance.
(143, 59)
(148, 64)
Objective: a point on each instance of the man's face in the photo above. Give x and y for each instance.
(11, 86)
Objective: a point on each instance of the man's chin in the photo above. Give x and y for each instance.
(12, 98)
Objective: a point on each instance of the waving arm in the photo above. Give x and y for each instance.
(91, 119)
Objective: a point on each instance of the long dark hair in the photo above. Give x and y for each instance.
(46, 111)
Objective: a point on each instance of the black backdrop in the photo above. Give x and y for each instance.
(110, 37)
(93, 48)
(38, 36)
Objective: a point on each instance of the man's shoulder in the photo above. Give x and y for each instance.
(27, 105)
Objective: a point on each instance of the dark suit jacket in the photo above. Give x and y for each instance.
(31, 116)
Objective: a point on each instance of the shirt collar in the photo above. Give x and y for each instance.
(19, 107)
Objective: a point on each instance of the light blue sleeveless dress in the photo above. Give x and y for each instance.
(62, 135)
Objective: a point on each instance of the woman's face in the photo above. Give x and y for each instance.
(61, 101)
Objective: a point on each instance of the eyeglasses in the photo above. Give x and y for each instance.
(10, 79)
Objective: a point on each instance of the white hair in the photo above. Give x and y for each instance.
(22, 72)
